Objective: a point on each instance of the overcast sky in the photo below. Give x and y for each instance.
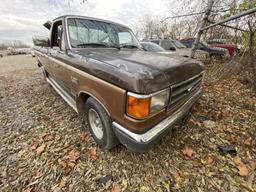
(21, 19)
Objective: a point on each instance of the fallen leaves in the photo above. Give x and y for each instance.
(253, 165)
(93, 153)
(248, 141)
(177, 178)
(46, 136)
(73, 155)
(84, 137)
(243, 171)
(38, 175)
(209, 124)
(62, 183)
(62, 164)
(231, 138)
(30, 189)
(188, 151)
(34, 145)
(116, 188)
(66, 165)
(207, 160)
(40, 149)
(69, 161)
(235, 129)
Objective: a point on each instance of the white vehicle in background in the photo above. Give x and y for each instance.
(10, 51)
(183, 52)
(18, 51)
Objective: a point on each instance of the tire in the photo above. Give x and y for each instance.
(104, 136)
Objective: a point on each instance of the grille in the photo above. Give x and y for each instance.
(184, 88)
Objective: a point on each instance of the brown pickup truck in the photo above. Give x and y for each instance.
(126, 94)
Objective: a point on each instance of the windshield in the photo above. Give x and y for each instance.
(179, 45)
(167, 44)
(148, 46)
(85, 32)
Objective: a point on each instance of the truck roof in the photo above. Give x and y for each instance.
(90, 18)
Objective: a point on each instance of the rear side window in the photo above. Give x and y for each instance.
(124, 38)
(156, 41)
(166, 44)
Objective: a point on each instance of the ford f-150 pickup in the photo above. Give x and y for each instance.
(126, 94)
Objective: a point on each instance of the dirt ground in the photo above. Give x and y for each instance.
(45, 146)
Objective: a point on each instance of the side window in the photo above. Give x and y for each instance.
(55, 40)
(156, 41)
(125, 38)
(166, 45)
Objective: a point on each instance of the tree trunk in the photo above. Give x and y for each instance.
(252, 63)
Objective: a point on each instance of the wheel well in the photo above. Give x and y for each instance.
(81, 100)
(84, 96)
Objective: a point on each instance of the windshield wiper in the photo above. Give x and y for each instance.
(129, 46)
(91, 44)
(97, 45)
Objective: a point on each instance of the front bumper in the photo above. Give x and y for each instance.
(142, 142)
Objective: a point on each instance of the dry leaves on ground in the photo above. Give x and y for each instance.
(40, 149)
(243, 171)
(46, 136)
(225, 114)
(253, 165)
(93, 153)
(84, 137)
(207, 160)
(73, 155)
(62, 183)
(188, 151)
(116, 188)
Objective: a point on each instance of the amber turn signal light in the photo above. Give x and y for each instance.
(138, 107)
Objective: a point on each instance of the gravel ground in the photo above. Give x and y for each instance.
(45, 146)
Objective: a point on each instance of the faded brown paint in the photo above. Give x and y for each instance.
(112, 98)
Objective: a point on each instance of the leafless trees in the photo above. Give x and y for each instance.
(185, 19)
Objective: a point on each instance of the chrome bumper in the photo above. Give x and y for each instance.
(158, 129)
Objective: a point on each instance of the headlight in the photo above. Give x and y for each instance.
(159, 101)
(142, 106)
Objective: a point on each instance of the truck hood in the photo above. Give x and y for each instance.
(136, 70)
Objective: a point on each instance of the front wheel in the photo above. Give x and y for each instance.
(99, 124)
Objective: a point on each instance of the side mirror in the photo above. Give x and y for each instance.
(172, 49)
(41, 41)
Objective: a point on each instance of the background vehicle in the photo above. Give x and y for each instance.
(125, 93)
(222, 43)
(173, 45)
(153, 47)
(213, 51)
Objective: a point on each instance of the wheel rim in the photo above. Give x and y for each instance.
(96, 124)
